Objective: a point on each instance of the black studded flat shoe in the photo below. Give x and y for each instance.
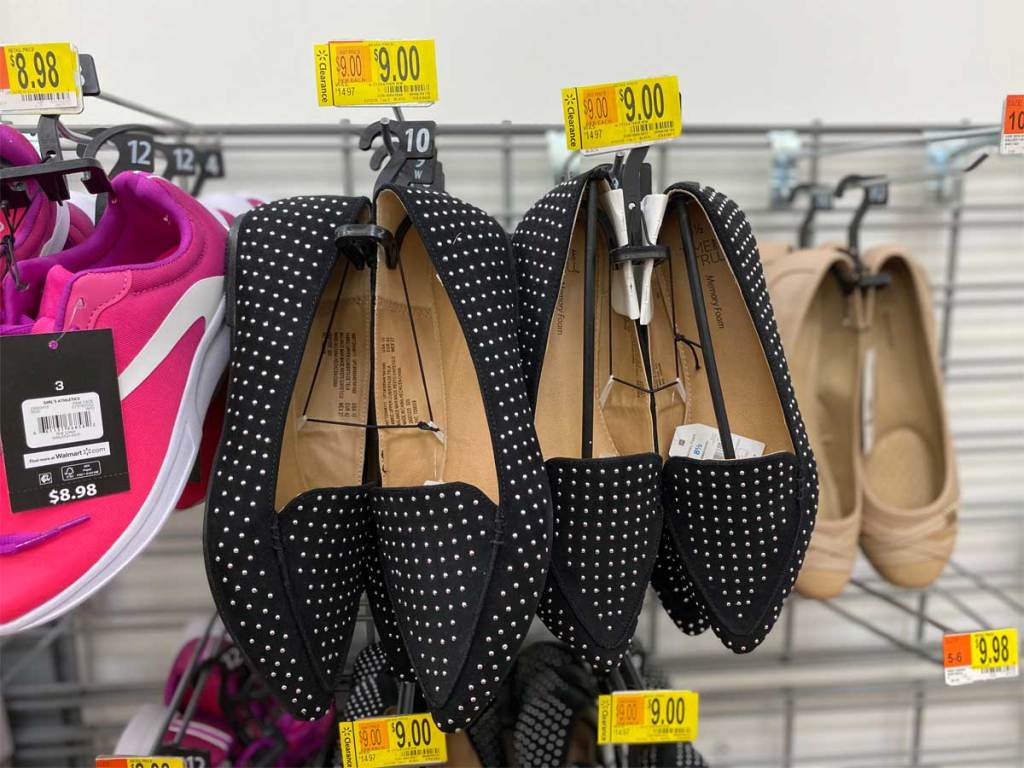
(463, 516)
(737, 523)
(592, 397)
(288, 529)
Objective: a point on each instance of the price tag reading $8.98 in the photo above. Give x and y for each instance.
(974, 656)
(647, 717)
(365, 73)
(381, 742)
(612, 116)
(40, 79)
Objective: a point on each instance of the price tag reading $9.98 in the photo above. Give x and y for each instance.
(365, 73)
(974, 656)
(42, 78)
(647, 717)
(381, 742)
(613, 116)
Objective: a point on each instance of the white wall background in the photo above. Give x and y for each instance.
(737, 60)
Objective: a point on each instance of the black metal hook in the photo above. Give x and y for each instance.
(820, 198)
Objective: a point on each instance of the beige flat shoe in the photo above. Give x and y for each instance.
(821, 326)
(911, 492)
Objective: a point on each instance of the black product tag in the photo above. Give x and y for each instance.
(60, 418)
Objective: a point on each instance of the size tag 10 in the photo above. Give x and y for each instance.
(1012, 142)
(119, 761)
(40, 79)
(389, 741)
(612, 116)
(973, 656)
(647, 717)
(366, 73)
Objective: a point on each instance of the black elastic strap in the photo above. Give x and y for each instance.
(704, 331)
(589, 290)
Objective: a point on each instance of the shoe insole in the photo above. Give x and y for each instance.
(905, 464)
(333, 385)
(825, 371)
(438, 385)
(751, 399)
(622, 411)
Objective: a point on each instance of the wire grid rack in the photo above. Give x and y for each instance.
(70, 686)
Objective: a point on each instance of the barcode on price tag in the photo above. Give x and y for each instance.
(42, 78)
(62, 419)
(971, 657)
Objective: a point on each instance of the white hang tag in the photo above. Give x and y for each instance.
(606, 391)
(623, 287)
(867, 402)
(653, 207)
(699, 441)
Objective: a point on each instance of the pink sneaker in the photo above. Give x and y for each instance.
(152, 272)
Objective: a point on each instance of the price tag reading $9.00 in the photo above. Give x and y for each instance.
(382, 742)
(613, 116)
(366, 73)
(647, 717)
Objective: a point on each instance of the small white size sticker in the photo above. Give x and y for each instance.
(699, 441)
(62, 419)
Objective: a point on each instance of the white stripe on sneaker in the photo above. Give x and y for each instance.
(201, 300)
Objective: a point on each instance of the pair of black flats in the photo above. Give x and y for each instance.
(387, 374)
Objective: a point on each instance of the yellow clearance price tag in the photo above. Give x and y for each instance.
(647, 717)
(120, 761)
(42, 78)
(388, 741)
(973, 656)
(603, 118)
(364, 73)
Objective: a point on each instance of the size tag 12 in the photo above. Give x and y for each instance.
(388, 741)
(974, 656)
(612, 116)
(40, 79)
(1012, 141)
(60, 418)
(647, 717)
(119, 761)
(366, 73)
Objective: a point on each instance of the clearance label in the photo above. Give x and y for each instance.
(971, 657)
(389, 741)
(366, 73)
(613, 116)
(647, 717)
